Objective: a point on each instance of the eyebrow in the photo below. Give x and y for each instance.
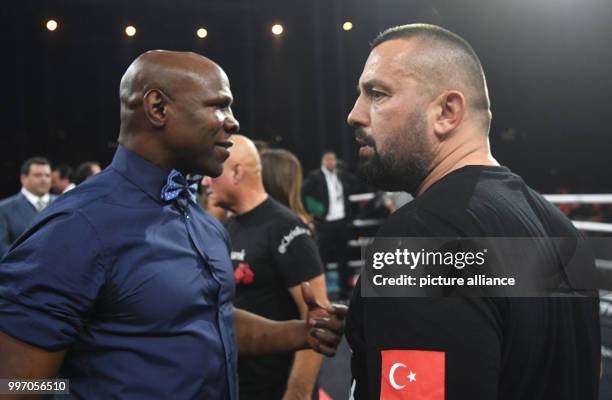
(221, 98)
(371, 84)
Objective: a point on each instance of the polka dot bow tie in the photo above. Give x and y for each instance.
(180, 189)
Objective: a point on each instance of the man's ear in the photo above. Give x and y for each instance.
(155, 107)
(450, 111)
(237, 174)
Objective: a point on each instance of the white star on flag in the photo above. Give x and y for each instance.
(412, 376)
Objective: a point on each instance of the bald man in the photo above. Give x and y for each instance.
(272, 252)
(422, 120)
(124, 287)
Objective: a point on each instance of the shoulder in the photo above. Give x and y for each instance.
(14, 199)
(417, 219)
(99, 199)
(282, 214)
(315, 174)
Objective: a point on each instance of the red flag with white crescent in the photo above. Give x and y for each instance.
(412, 375)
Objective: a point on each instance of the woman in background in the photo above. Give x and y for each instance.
(282, 178)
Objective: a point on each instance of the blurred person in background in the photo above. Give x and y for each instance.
(282, 179)
(61, 179)
(325, 192)
(17, 211)
(86, 170)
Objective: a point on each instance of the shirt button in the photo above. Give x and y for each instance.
(187, 217)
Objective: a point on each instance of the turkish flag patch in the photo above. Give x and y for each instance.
(412, 375)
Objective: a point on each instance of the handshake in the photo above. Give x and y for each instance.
(321, 331)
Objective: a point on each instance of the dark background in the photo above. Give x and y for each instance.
(548, 65)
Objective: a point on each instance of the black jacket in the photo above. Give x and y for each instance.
(316, 197)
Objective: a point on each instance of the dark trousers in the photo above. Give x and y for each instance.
(332, 237)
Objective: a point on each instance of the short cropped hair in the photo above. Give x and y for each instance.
(65, 171)
(25, 167)
(84, 171)
(453, 60)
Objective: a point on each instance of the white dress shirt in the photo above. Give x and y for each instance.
(39, 202)
(69, 187)
(336, 195)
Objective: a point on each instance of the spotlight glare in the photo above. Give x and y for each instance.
(202, 33)
(52, 25)
(277, 29)
(130, 30)
(347, 26)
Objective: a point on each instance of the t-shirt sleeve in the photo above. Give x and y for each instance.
(49, 281)
(442, 348)
(452, 345)
(295, 252)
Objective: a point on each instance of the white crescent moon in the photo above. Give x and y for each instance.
(392, 379)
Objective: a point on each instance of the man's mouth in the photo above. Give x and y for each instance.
(225, 144)
(366, 146)
(224, 147)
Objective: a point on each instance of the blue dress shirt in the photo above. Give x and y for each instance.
(139, 292)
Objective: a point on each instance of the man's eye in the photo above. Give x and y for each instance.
(377, 95)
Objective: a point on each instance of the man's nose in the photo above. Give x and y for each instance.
(206, 181)
(231, 125)
(357, 117)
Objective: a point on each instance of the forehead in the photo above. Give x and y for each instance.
(390, 62)
(212, 82)
(38, 168)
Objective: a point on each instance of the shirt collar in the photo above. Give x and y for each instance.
(33, 199)
(69, 188)
(147, 176)
(327, 172)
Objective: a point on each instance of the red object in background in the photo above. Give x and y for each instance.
(412, 375)
(323, 395)
(243, 274)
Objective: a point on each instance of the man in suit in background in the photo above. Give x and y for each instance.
(61, 179)
(325, 192)
(16, 212)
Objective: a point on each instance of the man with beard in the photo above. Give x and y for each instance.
(124, 285)
(422, 119)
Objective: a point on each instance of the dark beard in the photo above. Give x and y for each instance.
(404, 165)
(392, 174)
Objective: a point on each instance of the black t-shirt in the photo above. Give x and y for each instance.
(484, 348)
(272, 251)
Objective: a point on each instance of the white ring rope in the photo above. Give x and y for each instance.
(553, 198)
(579, 198)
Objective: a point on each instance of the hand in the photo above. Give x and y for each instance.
(326, 323)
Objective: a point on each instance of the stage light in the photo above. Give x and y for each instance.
(52, 25)
(347, 26)
(277, 29)
(202, 33)
(130, 30)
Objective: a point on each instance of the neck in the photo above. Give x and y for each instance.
(147, 149)
(248, 200)
(475, 152)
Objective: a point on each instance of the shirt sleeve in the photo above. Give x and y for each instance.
(453, 345)
(49, 281)
(295, 252)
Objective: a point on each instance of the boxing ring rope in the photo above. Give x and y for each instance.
(579, 198)
(553, 198)
(587, 226)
